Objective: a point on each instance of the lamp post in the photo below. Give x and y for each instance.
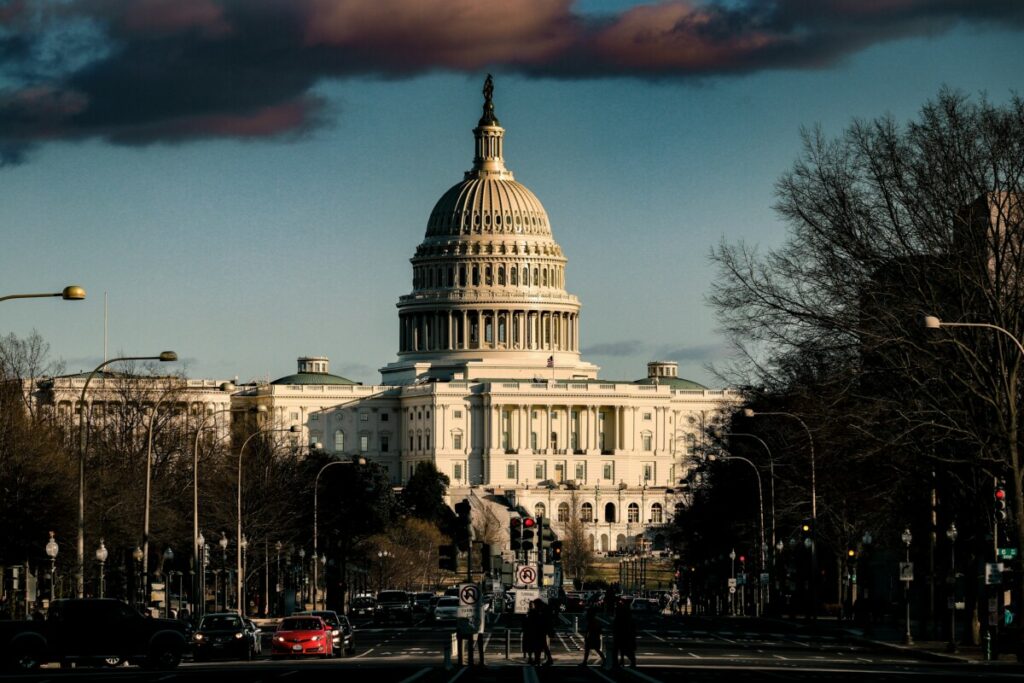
(101, 557)
(69, 293)
(149, 479)
(83, 430)
(168, 558)
(243, 545)
(238, 512)
(951, 534)
(732, 588)
(771, 478)
(358, 460)
(223, 543)
(51, 551)
(137, 556)
(277, 577)
(749, 412)
(906, 537)
(302, 576)
(382, 555)
(197, 544)
(199, 579)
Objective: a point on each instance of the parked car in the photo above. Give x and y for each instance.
(342, 636)
(393, 606)
(93, 631)
(223, 635)
(574, 602)
(305, 635)
(447, 609)
(363, 606)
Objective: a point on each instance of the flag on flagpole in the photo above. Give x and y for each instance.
(551, 361)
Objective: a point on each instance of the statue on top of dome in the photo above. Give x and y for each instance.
(489, 119)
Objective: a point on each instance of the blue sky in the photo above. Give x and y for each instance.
(242, 251)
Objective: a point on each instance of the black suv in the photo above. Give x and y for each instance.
(393, 606)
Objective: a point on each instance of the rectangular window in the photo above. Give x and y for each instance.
(428, 442)
(534, 413)
(648, 472)
(457, 442)
(559, 471)
(510, 470)
(581, 471)
(458, 413)
(533, 440)
(608, 471)
(363, 417)
(410, 442)
(538, 471)
(315, 417)
(364, 444)
(295, 416)
(384, 417)
(457, 471)
(647, 442)
(574, 438)
(647, 416)
(554, 415)
(383, 444)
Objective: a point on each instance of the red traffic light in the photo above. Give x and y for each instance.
(529, 522)
(1000, 494)
(743, 558)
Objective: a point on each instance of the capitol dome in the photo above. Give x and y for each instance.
(488, 281)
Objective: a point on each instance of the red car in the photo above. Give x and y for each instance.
(303, 635)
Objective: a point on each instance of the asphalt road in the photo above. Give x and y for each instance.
(667, 650)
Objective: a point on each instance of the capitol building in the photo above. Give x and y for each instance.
(488, 383)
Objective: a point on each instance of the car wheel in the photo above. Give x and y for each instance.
(26, 658)
(164, 656)
(113, 661)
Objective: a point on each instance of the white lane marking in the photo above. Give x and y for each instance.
(715, 635)
(419, 674)
(599, 674)
(529, 675)
(363, 654)
(656, 636)
(459, 673)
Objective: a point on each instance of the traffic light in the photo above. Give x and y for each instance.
(515, 533)
(447, 557)
(547, 536)
(464, 526)
(851, 553)
(556, 551)
(529, 528)
(1000, 502)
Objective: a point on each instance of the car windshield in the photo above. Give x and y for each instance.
(362, 602)
(330, 618)
(393, 596)
(448, 602)
(220, 622)
(301, 624)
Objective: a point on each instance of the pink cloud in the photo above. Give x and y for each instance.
(163, 17)
(456, 34)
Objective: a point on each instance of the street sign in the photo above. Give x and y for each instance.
(732, 584)
(1007, 553)
(764, 578)
(741, 579)
(993, 573)
(732, 589)
(526, 575)
(524, 596)
(906, 571)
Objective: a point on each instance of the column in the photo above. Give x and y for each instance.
(465, 331)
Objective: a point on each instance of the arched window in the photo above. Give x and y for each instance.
(476, 276)
(339, 440)
(544, 274)
(586, 512)
(513, 275)
(501, 275)
(563, 512)
(526, 276)
(609, 512)
(657, 514)
(539, 510)
(633, 513)
(487, 276)
(679, 509)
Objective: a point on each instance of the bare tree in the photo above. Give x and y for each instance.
(577, 549)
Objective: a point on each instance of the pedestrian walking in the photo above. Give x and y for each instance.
(624, 636)
(592, 637)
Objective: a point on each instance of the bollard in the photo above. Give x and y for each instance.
(988, 644)
(447, 655)
(576, 625)
(508, 642)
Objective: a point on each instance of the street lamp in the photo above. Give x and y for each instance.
(951, 534)
(223, 543)
(238, 512)
(302, 583)
(137, 556)
(382, 555)
(278, 586)
(83, 430)
(149, 479)
(771, 475)
(749, 412)
(101, 557)
(243, 545)
(197, 546)
(358, 460)
(51, 552)
(69, 293)
(907, 537)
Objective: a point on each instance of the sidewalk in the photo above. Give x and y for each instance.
(890, 636)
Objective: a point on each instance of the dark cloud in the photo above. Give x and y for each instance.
(617, 349)
(148, 71)
(703, 353)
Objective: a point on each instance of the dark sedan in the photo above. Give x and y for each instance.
(222, 636)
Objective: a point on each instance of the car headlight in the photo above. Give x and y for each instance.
(334, 632)
(238, 636)
(315, 638)
(280, 639)
(198, 636)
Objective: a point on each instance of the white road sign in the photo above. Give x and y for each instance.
(526, 575)
(524, 596)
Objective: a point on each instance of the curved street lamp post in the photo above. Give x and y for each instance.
(358, 460)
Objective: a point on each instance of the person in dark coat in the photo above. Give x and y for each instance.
(533, 632)
(592, 637)
(624, 634)
(547, 633)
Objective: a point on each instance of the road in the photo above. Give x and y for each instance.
(667, 649)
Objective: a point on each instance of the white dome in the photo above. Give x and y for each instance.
(488, 205)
